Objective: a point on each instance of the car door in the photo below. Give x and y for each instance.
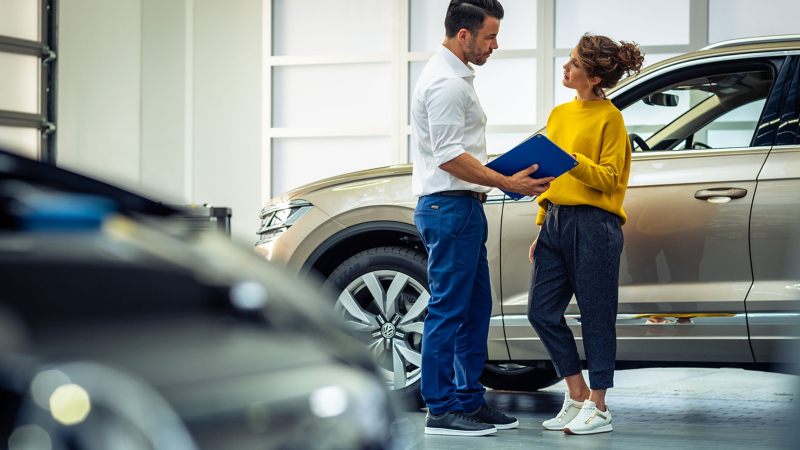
(685, 268)
(773, 304)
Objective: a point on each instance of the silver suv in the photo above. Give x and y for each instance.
(710, 271)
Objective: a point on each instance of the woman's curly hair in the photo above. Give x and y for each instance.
(602, 57)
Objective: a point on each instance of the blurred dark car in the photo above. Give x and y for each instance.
(119, 329)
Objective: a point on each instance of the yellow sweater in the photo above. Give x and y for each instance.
(595, 133)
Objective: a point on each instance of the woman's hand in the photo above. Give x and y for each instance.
(533, 247)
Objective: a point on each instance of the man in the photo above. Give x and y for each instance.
(450, 178)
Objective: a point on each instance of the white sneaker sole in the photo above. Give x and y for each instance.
(598, 430)
(561, 428)
(449, 432)
(507, 426)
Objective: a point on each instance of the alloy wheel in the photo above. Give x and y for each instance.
(386, 309)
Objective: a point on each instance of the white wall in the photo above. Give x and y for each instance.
(164, 97)
(99, 88)
(166, 107)
(227, 109)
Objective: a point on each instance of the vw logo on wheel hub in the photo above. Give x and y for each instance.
(387, 330)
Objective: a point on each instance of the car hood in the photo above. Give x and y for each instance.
(380, 172)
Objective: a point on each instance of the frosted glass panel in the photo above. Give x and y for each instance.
(24, 141)
(20, 19)
(732, 19)
(517, 30)
(331, 157)
(19, 83)
(426, 27)
(730, 138)
(647, 22)
(497, 143)
(733, 129)
(750, 112)
(331, 95)
(322, 27)
(507, 91)
(564, 95)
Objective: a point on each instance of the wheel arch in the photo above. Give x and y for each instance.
(357, 238)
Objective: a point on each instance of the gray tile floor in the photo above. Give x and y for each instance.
(653, 409)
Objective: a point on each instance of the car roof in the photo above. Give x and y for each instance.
(764, 44)
(14, 166)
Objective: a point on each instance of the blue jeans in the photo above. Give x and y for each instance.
(454, 232)
(578, 252)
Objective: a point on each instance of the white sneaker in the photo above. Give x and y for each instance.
(590, 420)
(569, 411)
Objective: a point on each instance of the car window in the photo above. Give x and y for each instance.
(719, 111)
(733, 129)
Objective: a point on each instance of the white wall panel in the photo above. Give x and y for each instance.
(20, 19)
(732, 19)
(99, 88)
(517, 30)
(331, 95)
(647, 22)
(299, 161)
(24, 141)
(321, 27)
(227, 110)
(507, 90)
(163, 97)
(19, 82)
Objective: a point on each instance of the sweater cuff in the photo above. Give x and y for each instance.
(580, 169)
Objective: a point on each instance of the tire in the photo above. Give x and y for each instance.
(513, 377)
(364, 284)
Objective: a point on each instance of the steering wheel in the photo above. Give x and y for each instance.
(700, 146)
(635, 138)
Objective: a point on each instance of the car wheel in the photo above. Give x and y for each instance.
(514, 377)
(383, 300)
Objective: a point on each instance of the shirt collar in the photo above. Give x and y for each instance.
(459, 68)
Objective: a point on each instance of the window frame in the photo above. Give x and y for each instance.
(776, 62)
(45, 48)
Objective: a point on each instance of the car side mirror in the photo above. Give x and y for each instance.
(661, 100)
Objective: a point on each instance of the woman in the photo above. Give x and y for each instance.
(580, 239)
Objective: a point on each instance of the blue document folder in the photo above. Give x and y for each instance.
(537, 149)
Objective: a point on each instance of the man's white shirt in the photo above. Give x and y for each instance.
(447, 120)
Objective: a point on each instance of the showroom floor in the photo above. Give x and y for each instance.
(652, 409)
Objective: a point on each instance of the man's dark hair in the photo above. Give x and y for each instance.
(470, 14)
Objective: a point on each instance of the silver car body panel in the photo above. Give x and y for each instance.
(775, 247)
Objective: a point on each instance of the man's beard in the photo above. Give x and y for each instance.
(473, 54)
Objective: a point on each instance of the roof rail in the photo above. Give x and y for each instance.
(755, 40)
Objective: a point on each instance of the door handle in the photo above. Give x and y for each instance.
(723, 195)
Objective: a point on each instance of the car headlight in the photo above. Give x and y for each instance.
(276, 219)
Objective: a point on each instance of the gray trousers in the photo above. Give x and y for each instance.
(578, 252)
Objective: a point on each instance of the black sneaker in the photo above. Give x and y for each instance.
(456, 423)
(489, 415)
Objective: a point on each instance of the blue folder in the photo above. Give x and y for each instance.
(537, 149)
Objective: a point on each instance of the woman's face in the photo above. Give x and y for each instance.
(574, 75)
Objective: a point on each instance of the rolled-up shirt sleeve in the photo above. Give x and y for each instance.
(446, 103)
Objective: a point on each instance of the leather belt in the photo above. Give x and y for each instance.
(480, 196)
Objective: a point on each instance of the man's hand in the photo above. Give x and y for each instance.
(522, 183)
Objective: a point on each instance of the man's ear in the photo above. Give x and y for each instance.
(463, 36)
